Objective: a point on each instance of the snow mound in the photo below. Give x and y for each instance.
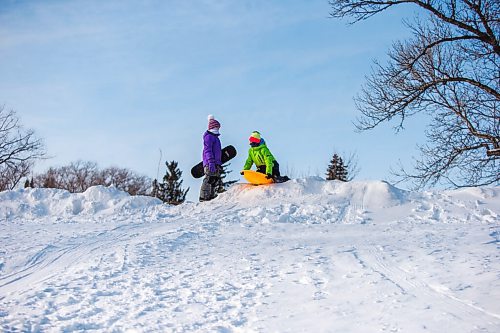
(352, 257)
(38, 202)
(365, 193)
(311, 200)
(314, 200)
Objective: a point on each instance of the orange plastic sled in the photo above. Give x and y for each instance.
(256, 178)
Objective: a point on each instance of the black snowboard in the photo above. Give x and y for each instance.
(227, 153)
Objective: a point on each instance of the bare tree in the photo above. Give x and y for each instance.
(450, 70)
(19, 148)
(76, 177)
(125, 180)
(11, 176)
(80, 175)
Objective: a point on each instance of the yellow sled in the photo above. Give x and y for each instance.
(256, 178)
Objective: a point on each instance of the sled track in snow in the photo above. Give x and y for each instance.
(408, 283)
(258, 262)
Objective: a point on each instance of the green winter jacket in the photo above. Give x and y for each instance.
(260, 156)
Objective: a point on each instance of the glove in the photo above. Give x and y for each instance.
(269, 176)
(242, 173)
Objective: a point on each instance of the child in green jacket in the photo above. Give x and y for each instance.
(261, 156)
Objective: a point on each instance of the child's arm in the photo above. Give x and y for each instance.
(269, 158)
(248, 163)
(210, 156)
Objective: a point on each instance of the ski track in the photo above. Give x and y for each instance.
(316, 265)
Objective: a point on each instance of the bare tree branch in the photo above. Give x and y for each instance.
(364, 9)
(80, 175)
(19, 148)
(449, 70)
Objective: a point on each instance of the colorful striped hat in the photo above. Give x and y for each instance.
(212, 123)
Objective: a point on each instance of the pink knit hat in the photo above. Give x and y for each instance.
(212, 123)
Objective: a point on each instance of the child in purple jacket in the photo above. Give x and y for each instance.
(212, 154)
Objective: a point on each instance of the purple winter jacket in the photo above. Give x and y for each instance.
(212, 151)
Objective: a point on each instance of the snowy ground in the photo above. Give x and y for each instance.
(303, 256)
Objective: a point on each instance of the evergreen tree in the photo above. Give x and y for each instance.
(337, 170)
(156, 189)
(170, 191)
(223, 186)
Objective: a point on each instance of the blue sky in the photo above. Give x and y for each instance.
(116, 81)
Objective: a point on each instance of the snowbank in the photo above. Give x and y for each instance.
(308, 255)
(371, 193)
(314, 200)
(310, 200)
(38, 202)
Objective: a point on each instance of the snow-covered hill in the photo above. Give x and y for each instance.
(304, 256)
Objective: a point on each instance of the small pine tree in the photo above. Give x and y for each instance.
(223, 186)
(155, 189)
(337, 170)
(170, 191)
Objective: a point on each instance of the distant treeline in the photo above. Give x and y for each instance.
(80, 175)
